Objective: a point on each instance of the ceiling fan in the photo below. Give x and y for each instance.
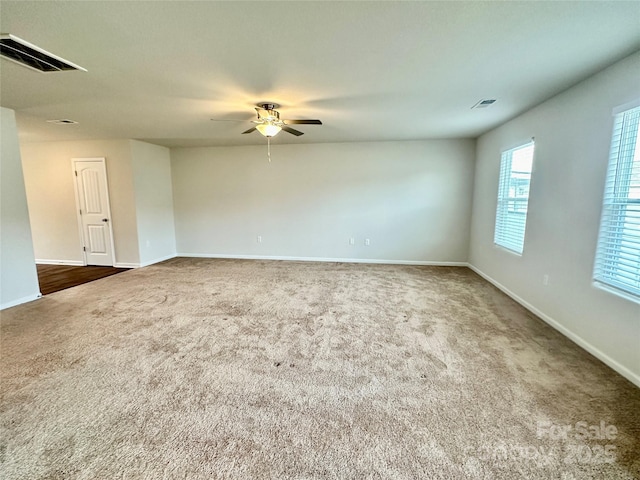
(269, 123)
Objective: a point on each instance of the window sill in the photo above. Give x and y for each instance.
(617, 292)
(507, 249)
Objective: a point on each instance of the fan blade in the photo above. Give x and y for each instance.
(292, 131)
(227, 120)
(302, 122)
(249, 131)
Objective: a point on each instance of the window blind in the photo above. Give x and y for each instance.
(618, 254)
(513, 197)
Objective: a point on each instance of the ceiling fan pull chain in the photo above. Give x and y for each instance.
(269, 148)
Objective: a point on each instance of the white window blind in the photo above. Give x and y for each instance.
(513, 197)
(618, 254)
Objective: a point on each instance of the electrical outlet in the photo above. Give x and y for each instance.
(545, 279)
(148, 243)
(259, 238)
(367, 242)
(352, 241)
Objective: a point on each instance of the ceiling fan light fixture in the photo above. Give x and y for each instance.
(268, 129)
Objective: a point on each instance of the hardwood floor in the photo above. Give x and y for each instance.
(53, 278)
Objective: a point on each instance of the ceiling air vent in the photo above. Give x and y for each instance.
(484, 103)
(28, 55)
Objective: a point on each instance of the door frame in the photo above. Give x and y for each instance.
(102, 160)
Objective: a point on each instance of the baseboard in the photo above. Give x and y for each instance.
(41, 261)
(19, 301)
(158, 260)
(79, 263)
(126, 265)
(323, 259)
(599, 354)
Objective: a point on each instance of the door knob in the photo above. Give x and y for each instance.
(105, 219)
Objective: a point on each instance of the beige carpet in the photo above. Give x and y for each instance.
(228, 369)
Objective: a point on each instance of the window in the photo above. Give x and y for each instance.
(618, 255)
(513, 197)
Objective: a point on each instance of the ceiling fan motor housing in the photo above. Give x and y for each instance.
(268, 105)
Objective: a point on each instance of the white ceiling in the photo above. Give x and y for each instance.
(159, 71)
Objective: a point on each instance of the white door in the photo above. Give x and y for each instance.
(93, 209)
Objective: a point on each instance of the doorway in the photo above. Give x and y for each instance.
(94, 211)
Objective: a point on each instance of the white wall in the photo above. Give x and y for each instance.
(573, 134)
(154, 202)
(18, 277)
(50, 195)
(411, 199)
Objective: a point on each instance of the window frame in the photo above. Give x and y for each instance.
(508, 205)
(619, 209)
